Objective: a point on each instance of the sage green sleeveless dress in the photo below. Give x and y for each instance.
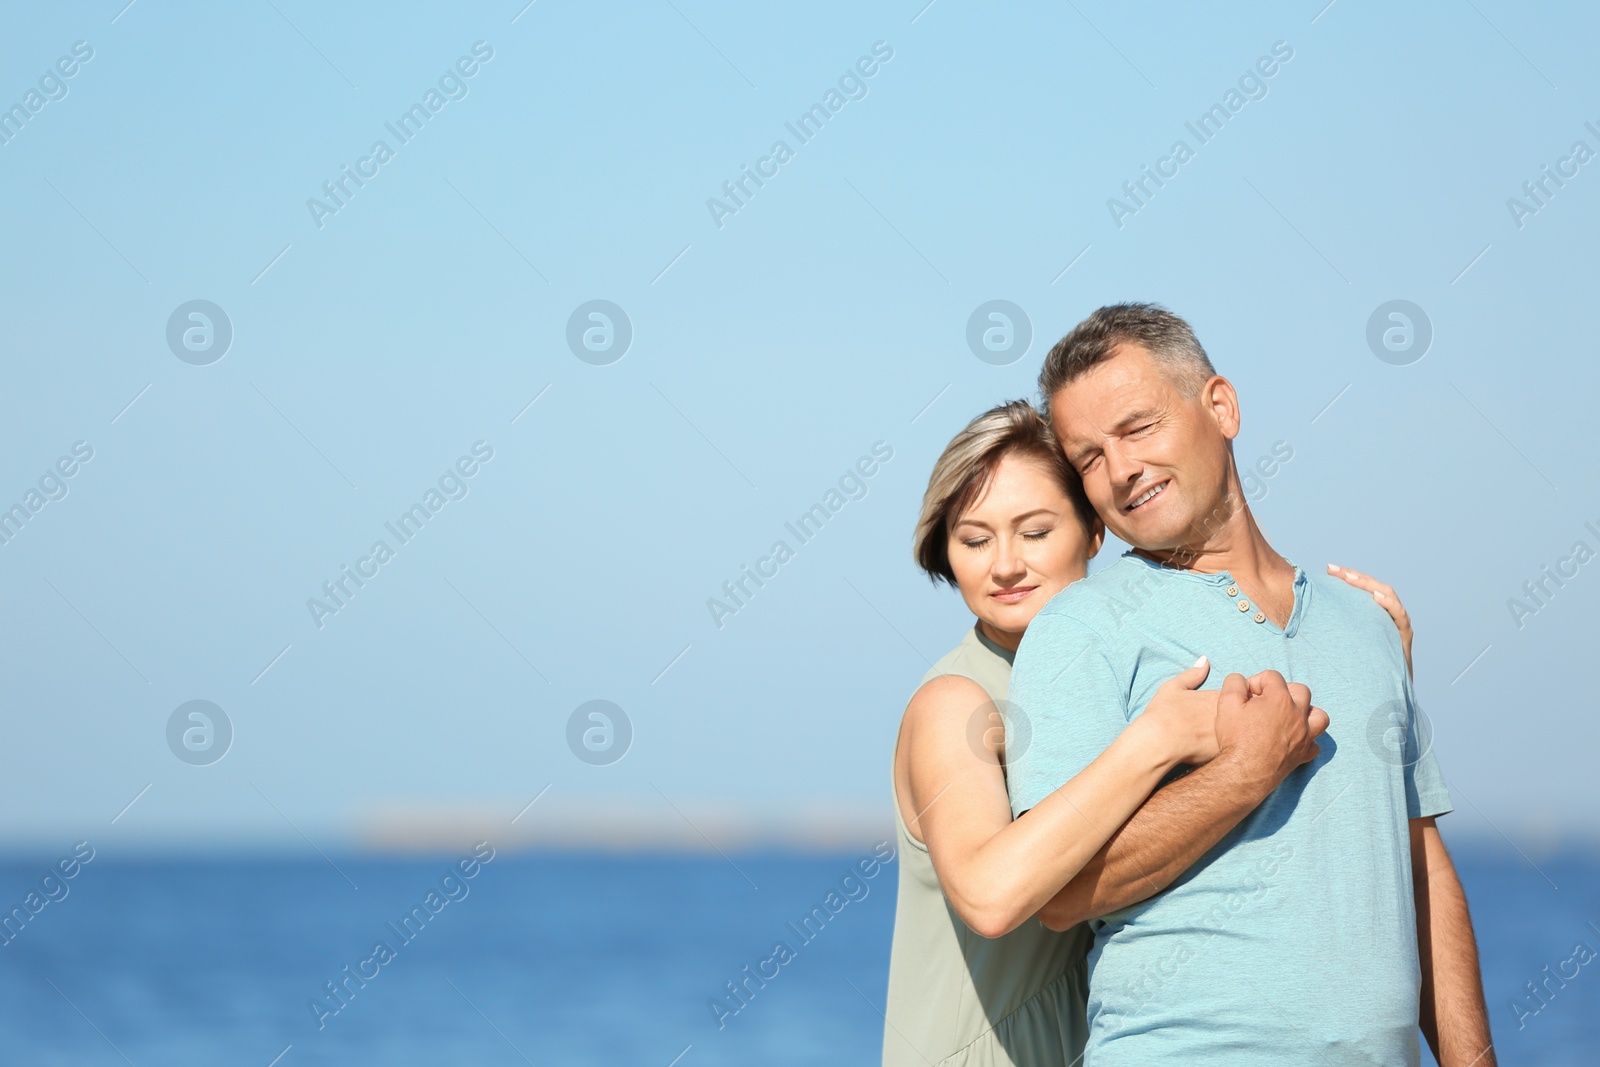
(956, 998)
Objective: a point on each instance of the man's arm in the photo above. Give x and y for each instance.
(1261, 739)
(1164, 838)
(1454, 1018)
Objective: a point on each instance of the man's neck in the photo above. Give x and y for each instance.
(1240, 548)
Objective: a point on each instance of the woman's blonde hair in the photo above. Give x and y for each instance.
(967, 464)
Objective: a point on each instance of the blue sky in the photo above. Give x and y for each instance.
(771, 349)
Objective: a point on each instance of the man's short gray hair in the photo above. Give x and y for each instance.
(1095, 340)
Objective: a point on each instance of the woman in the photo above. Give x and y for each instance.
(971, 980)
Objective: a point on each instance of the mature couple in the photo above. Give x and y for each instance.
(1067, 892)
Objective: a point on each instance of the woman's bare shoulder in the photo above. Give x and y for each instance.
(944, 708)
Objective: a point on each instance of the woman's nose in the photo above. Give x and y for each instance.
(1007, 563)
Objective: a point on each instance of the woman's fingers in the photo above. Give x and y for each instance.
(1192, 678)
(1382, 592)
(1195, 676)
(1386, 597)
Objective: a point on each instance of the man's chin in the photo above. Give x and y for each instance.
(1150, 537)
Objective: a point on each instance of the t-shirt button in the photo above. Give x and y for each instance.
(1233, 590)
(1244, 605)
(1260, 617)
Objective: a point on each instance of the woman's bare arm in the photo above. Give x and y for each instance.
(997, 872)
(1164, 838)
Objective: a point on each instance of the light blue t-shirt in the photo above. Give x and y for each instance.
(1294, 939)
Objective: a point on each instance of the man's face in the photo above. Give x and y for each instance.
(1154, 462)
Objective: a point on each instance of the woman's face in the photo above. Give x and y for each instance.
(1019, 544)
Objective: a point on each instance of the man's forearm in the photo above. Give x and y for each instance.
(1453, 1015)
(1173, 829)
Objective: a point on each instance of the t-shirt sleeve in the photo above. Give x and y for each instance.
(1065, 706)
(1426, 794)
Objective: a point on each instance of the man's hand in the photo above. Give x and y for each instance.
(1267, 727)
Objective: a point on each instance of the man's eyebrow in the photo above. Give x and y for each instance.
(1077, 453)
(1132, 417)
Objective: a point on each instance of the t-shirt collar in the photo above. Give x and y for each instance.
(999, 650)
(1219, 579)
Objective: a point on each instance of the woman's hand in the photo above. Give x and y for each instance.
(1385, 596)
(1185, 715)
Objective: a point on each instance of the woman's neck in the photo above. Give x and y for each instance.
(1007, 641)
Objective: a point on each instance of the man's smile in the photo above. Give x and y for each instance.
(1145, 497)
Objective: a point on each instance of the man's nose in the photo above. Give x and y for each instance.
(1123, 468)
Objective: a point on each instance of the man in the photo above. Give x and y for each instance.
(1329, 922)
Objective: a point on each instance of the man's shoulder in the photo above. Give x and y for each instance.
(1106, 595)
(1089, 613)
(1353, 607)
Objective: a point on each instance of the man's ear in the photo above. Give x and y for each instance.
(1222, 402)
(1097, 538)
